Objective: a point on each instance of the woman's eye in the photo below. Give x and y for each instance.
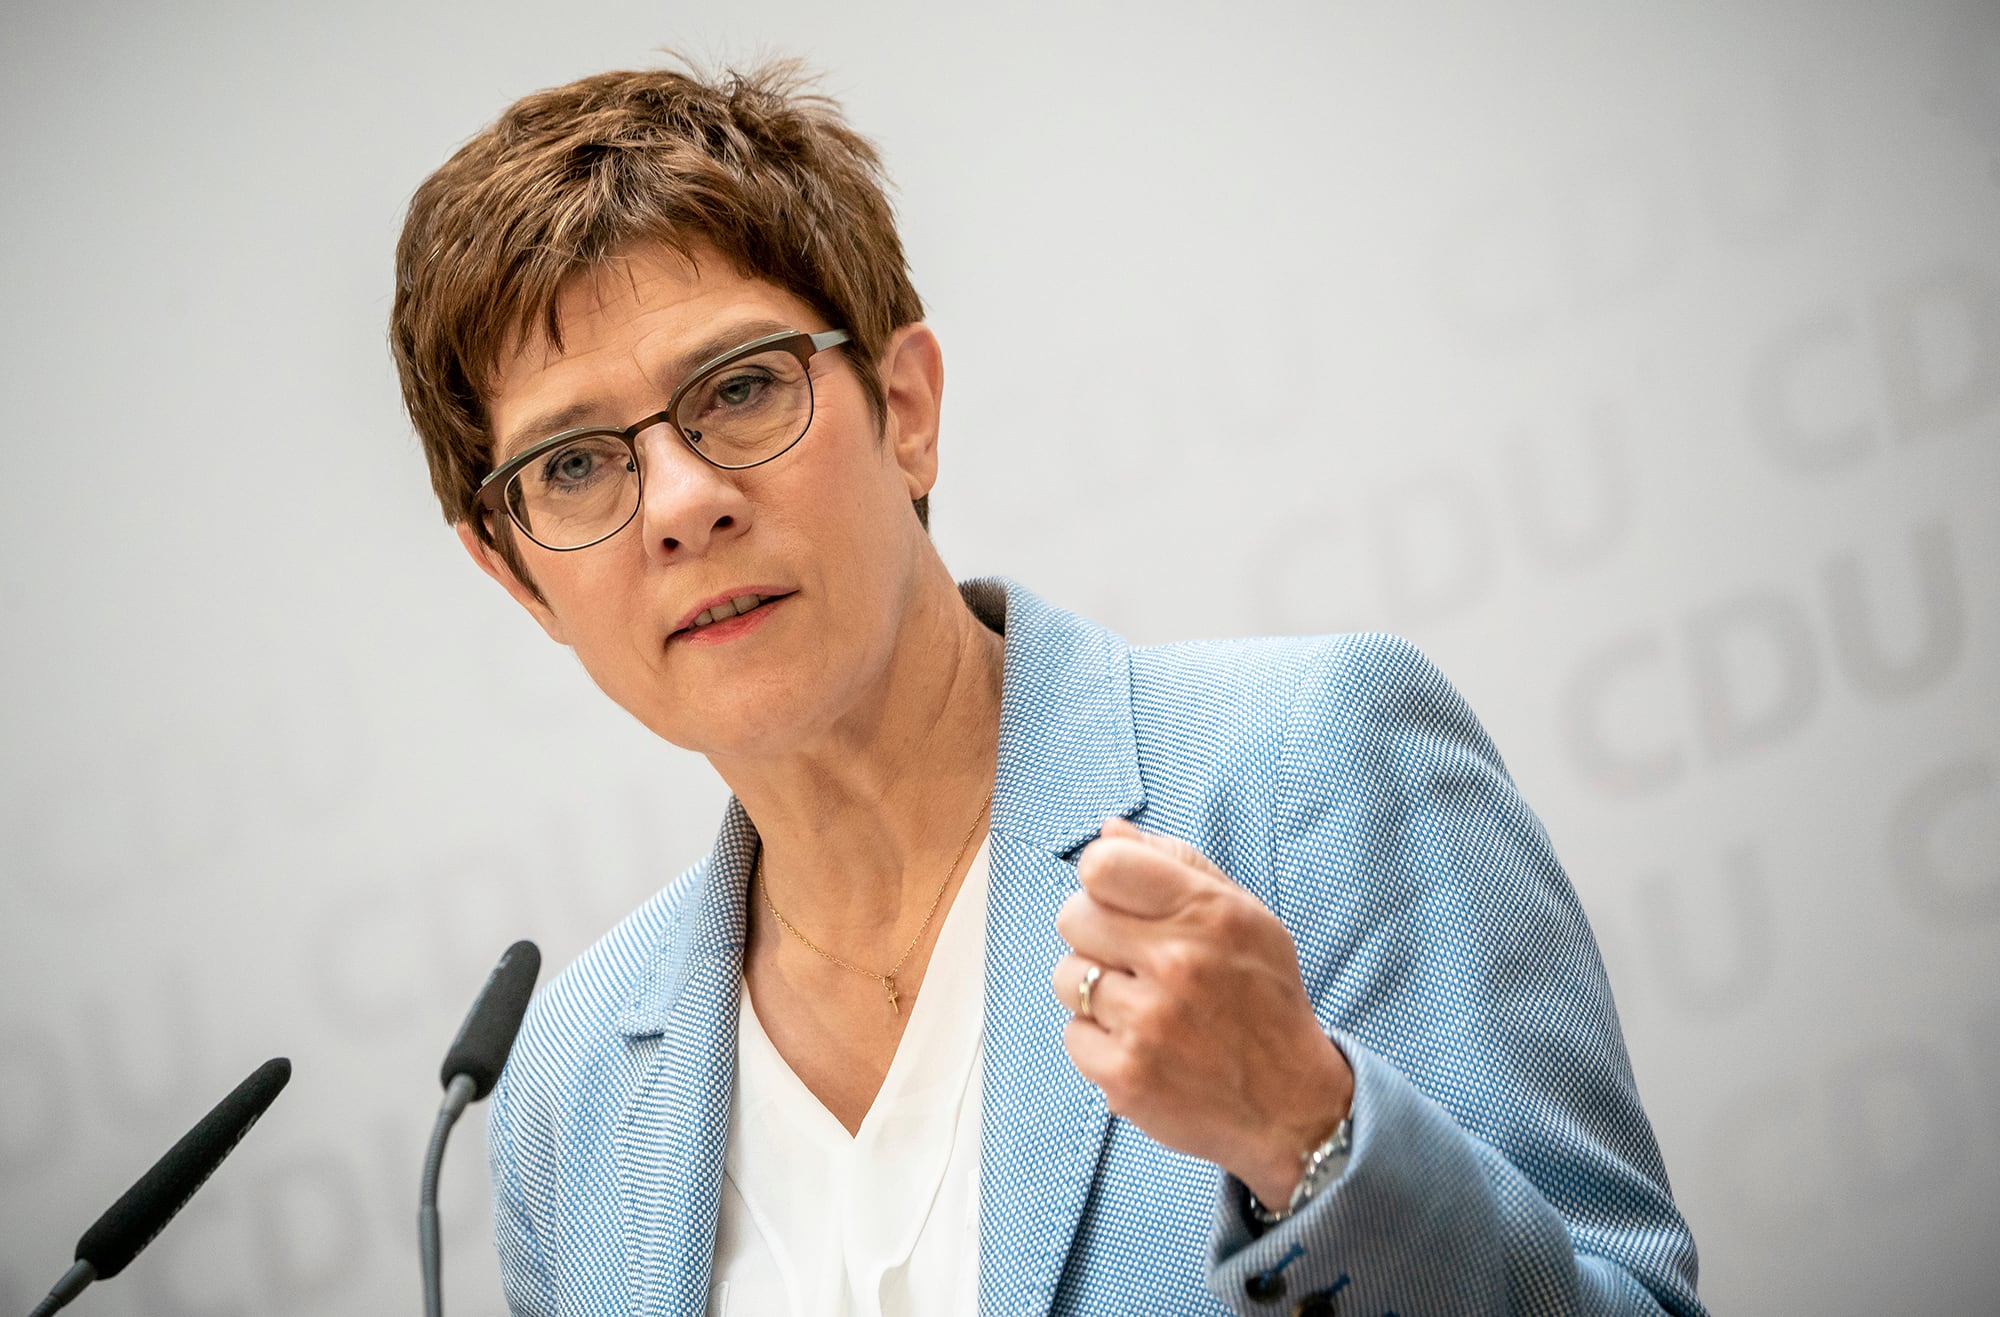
(572, 466)
(739, 390)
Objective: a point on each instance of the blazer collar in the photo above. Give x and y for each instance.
(1068, 759)
(709, 923)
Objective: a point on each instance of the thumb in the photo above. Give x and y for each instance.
(1173, 847)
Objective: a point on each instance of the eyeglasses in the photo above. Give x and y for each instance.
(741, 409)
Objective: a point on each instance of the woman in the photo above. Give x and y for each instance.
(1028, 972)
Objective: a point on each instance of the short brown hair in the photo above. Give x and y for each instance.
(752, 164)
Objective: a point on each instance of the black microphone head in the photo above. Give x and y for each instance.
(487, 1035)
(134, 1220)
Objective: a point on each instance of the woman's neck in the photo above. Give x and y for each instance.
(860, 827)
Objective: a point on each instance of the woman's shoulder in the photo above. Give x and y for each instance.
(1251, 690)
(1227, 689)
(1263, 739)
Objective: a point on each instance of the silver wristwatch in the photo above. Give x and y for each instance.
(1319, 1167)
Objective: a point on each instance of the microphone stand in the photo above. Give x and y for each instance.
(457, 1096)
(72, 1284)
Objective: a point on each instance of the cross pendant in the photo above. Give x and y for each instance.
(889, 986)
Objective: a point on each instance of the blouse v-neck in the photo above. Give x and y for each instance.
(816, 1222)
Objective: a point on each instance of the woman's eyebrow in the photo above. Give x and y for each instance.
(541, 427)
(723, 340)
(546, 424)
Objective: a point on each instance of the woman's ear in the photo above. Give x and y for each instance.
(912, 369)
(495, 564)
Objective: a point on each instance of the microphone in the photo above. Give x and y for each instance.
(468, 1074)
(137, 1218)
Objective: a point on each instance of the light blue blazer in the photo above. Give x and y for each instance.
(1502, 1162)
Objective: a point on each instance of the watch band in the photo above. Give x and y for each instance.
(1318, 1167)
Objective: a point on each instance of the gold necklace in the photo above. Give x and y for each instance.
(887, 980)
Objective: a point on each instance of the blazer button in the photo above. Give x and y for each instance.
(1317, 1305)
(1265, 1286)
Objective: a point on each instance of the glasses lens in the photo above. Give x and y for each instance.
(748, 410)
(576, 493)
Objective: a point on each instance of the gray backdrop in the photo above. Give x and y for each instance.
(1641, 362)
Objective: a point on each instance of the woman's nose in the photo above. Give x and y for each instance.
(685, 503)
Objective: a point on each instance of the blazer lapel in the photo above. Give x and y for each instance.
(1042, 1125)
(674, 1127)
(1067, 762)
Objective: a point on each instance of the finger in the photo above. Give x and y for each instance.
(1091, 1050)
(1105, 994)
(1130, 874)
(1112, 938)
(1160, 841)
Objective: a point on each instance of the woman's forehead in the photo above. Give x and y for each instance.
(646, 291)
(637, 322)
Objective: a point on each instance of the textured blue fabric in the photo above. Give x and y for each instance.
(1502, 1162)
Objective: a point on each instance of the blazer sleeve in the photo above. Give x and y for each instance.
(1502, 1162)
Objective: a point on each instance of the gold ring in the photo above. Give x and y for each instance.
(1090, 978)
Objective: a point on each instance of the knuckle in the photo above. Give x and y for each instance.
(1147, 1026)
(1238, 915)
(1176, 965)
(1233, 921)
(1124, 1075)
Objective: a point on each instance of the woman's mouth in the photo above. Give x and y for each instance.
(729, 608)
(728, 617)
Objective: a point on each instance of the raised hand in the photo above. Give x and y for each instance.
(1199, 1029)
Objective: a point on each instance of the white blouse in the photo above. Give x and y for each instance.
(818, 1223)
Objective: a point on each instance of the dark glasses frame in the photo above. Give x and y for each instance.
(491, 496)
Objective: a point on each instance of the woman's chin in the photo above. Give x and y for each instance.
(766, 726)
